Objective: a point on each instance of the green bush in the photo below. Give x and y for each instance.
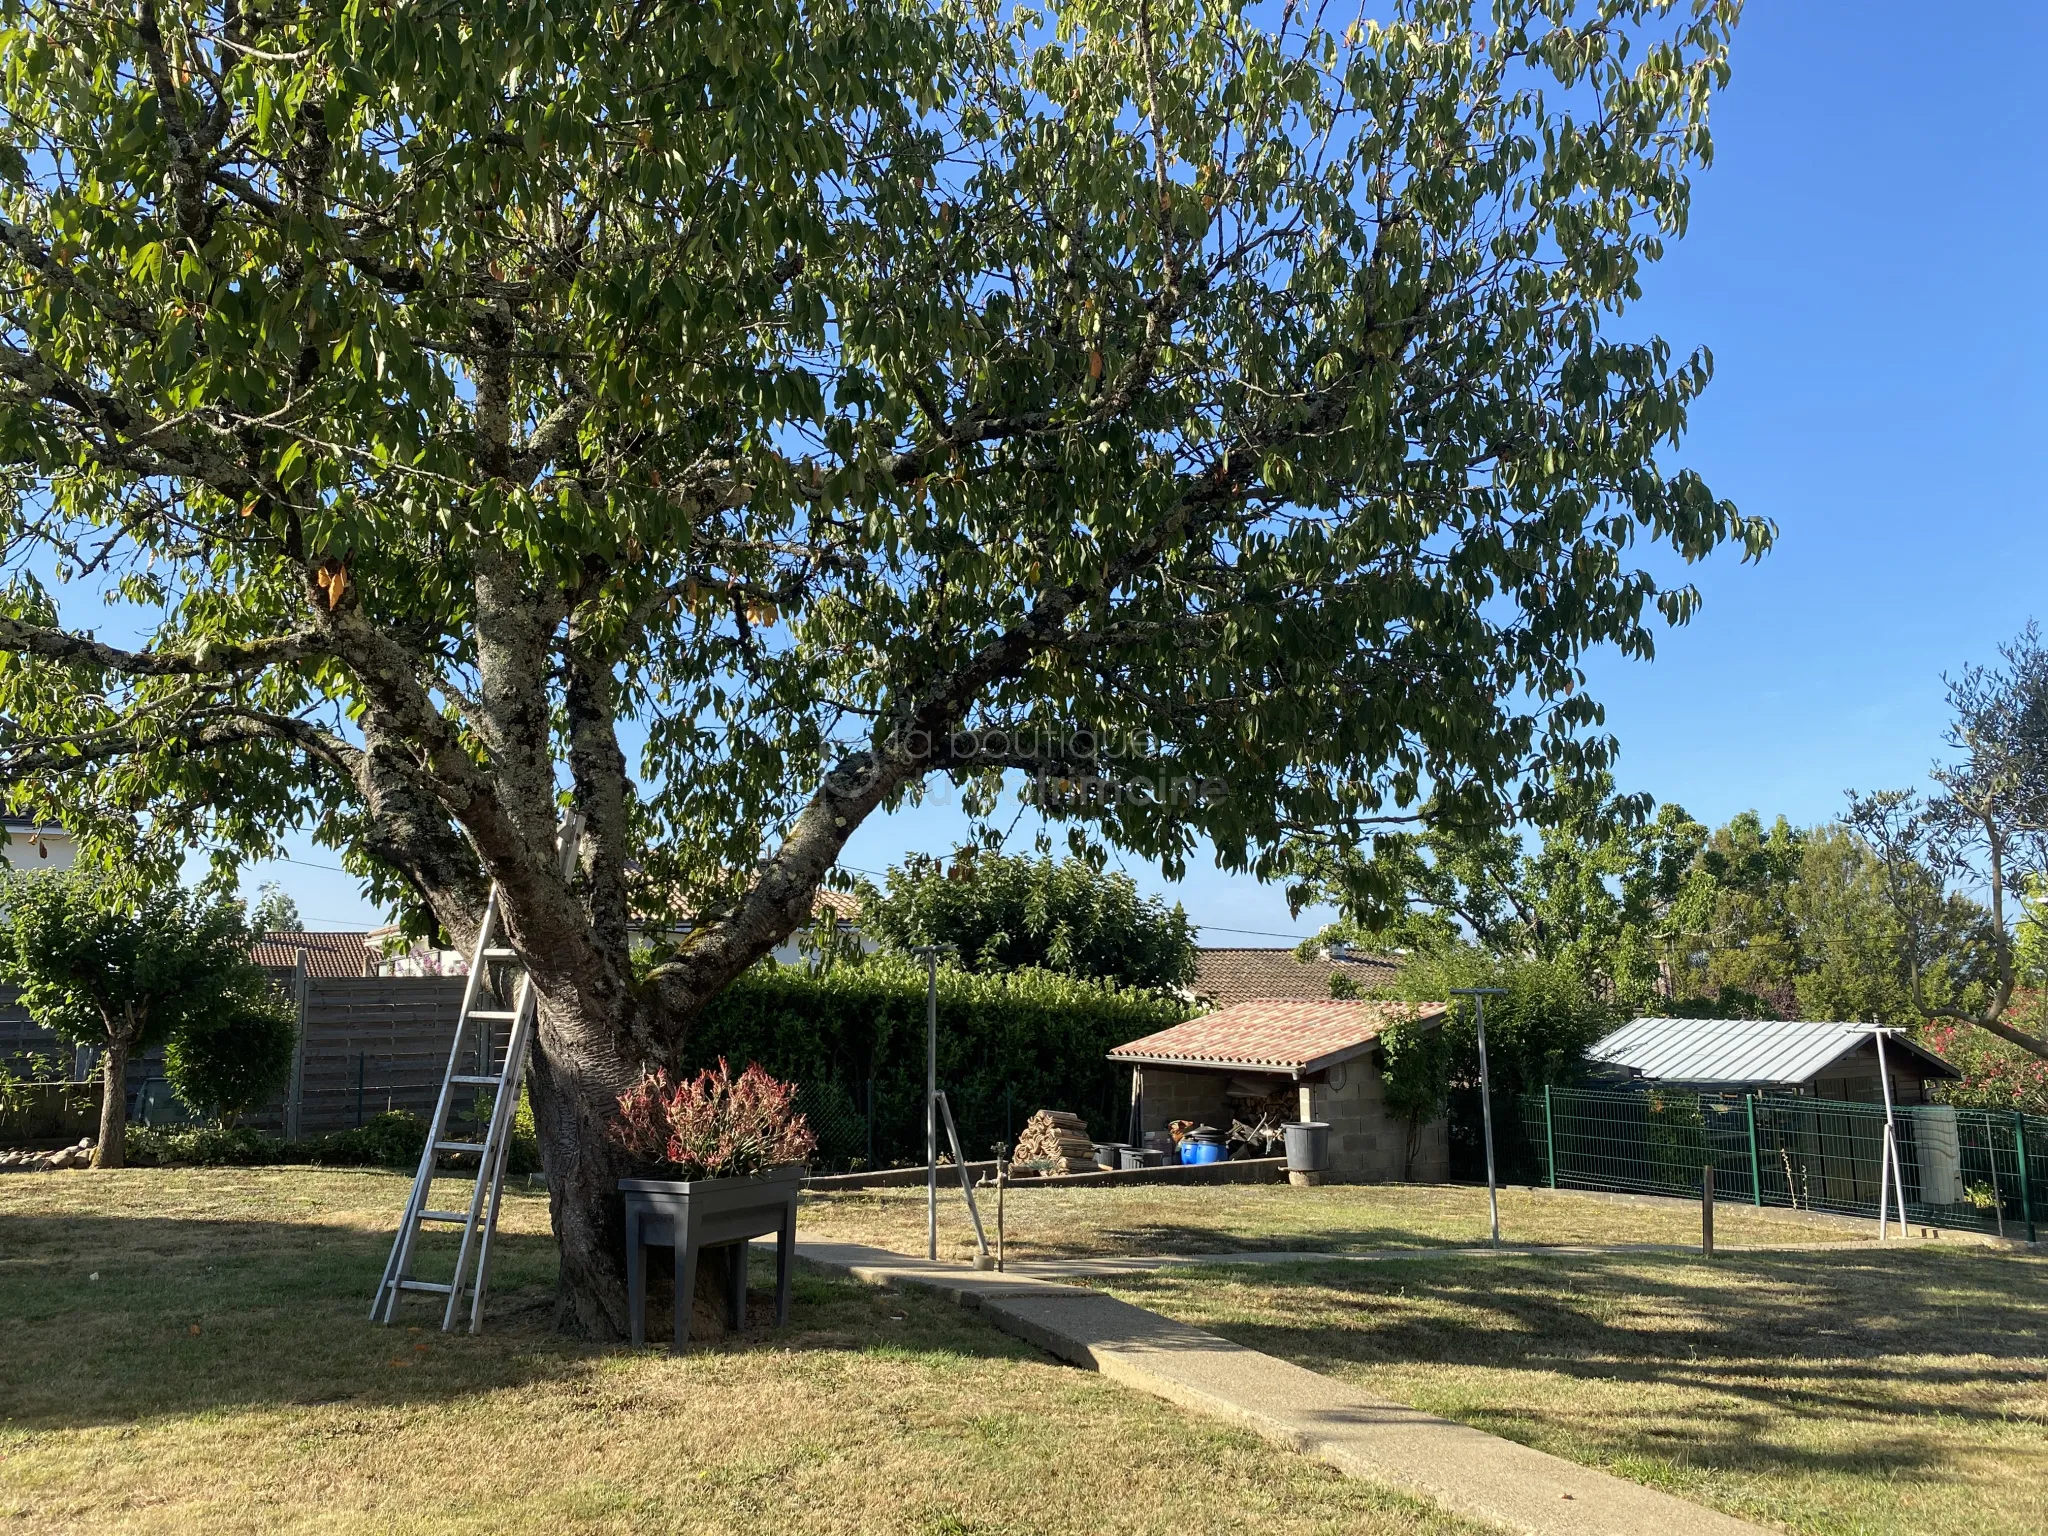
(200, 1146)
(391, 1140)
(1009, 1043)
(230, 1064)
(474, 1119)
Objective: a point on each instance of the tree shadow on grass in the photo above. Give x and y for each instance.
(1870, 1337)
(111, 1320)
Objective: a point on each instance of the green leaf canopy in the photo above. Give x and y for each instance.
(726, 419)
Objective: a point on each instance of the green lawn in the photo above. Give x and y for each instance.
(219, 1376)
(1081, 1221)
(1877, 1392)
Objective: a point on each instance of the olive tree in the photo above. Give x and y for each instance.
(723, 423)
(1983, 829)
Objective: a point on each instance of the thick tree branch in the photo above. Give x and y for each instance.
(207, 658)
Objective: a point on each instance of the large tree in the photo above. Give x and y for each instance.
(1592, 887)
(808, 401)
(1983, 829)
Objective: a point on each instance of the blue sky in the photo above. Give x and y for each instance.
(1866, 263)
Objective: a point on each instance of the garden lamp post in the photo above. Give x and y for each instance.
(1479, 995)
(929, 953)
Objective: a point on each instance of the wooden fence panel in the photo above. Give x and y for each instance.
(371, 1043)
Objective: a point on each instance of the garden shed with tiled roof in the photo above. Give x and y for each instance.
(1291, 1059)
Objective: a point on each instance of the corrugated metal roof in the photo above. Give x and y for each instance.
(1274, 1034)
(1744, 1050)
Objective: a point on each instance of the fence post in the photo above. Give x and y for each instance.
(871, 1122)
(295, 1101)
(2019, 1142)
(1756, 1167)
(1549, 1138)
(1707, 1211)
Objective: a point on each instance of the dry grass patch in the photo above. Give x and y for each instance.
(220, 1376)
(1879, 1392)
(1100, 1220)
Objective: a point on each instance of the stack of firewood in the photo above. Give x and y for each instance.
(1052, 1136)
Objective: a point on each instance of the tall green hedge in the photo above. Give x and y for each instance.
(1009, 1043)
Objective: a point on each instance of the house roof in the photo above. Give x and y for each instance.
(1274, 1035)
(327, 954)
(1746, 1050)
(1226, 977)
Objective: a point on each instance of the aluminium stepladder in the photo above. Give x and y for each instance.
(474, 1032)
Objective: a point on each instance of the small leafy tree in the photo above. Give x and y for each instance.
(275, 911)
(231, 1063)
(121, 973)
(1537, 1032)
(1006, 914)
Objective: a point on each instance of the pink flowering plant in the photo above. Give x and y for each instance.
(713, 1125)
(1996, 1075)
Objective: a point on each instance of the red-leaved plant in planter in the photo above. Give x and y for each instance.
(713, 1125)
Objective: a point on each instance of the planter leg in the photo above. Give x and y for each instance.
(736, 1286)
(636, 1280)
(686, 1287)
(785, 1252)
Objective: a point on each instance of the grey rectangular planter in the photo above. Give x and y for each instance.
(690, 1215)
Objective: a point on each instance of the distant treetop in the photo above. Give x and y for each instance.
(1008, 912)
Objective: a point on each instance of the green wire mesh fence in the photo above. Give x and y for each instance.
(1983, 1170)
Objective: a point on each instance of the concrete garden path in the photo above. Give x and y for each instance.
(1460, 1468)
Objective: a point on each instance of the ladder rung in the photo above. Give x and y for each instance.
(477, 1082)
(459, 1218)
(501, 954)
(493, 1013)
(458, 1146)
(425, 1285)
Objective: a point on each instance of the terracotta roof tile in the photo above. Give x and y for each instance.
(1226, 977)
(1277, 1034)
(327, 954)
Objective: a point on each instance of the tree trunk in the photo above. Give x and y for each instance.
(112, 1151)
(578, 1069)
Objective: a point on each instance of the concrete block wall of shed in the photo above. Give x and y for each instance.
(1432, 1164)
(1171, 1094)
(1368, 1142)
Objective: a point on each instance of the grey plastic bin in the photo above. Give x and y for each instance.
(1308, 1145)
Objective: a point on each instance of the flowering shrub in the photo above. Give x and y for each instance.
(1996, 1075)
(713, 1125)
